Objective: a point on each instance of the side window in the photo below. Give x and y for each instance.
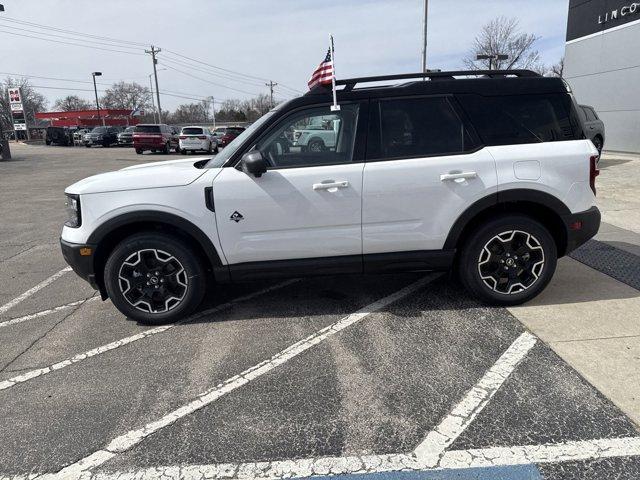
(591, 114)
(516, 119)
(316, 136)
(416, 127)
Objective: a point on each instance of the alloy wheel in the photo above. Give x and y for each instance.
(153, 281)
(511, 262)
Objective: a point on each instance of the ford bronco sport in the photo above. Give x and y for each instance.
(488, 173)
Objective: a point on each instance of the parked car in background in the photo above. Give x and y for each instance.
(103, 136)
(59, 136)
(125, 138)
(193, 139)
(229, 134)
(155, 137)
(78, 135)
(316, 138)
(593, 126)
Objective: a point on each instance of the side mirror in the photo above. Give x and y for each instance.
(254, 163)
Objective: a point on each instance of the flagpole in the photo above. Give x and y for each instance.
(335, 107)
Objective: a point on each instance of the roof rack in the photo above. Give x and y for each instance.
(350, 83)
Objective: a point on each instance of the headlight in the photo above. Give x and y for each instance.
(72, 206)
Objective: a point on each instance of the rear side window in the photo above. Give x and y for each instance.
(591, 114)
(416, 127)
(192, 131)
(147, 129)
(515, 119)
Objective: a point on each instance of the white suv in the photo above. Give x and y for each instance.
(193, 139)
(487, 173)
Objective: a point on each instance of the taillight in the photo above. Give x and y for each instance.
(202, 138)
(183, 137)
(593, 172)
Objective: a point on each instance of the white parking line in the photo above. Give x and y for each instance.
(130, 439)
(44, 313)
(33, 290)
(127, 340)
(430, 451)
(550, 453)
(324, 466)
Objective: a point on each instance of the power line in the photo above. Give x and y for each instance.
(226, 69)
(209, 72)
(55, 29)
(22, 29)
(207, 81)
(69, 43)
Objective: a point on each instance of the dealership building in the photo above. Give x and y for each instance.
(602, 66)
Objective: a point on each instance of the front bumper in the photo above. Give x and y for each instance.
(80, 259)
(581, 227)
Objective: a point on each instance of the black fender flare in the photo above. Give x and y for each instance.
(157, 217)
(504, 197)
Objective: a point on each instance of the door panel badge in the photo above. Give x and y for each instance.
(236, 216)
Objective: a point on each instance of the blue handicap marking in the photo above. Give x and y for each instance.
(516, 472)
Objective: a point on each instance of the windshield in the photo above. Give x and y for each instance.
(99, 130)
(129, 129)
(230, 149)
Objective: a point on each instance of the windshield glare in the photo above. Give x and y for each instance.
(230, 149)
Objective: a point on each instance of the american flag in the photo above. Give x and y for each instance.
(323, 74)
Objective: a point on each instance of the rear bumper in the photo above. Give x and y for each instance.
(80, 260)
(581, 227)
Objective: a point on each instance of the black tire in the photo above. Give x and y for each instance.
(88, 146)
(167, 149)
(216, 150)
(183, 151)
(139, 151)
(315, 145)
(47, 142)
(487, 254)
(172, 295)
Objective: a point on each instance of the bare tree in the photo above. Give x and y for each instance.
(71, 103)
(502, 36)
(32, 100)
(558, 69)
(189, 113)
(124, 95)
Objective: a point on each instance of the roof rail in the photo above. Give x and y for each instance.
(350, 83)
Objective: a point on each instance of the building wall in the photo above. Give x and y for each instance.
(602, 65)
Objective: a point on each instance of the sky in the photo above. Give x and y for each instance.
(279, 40)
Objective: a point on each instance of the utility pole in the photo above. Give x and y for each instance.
(271, 84)
(153, 52)
(153, 102)
(95, 89)
(213, 110)
(5, 151)
(424, 36)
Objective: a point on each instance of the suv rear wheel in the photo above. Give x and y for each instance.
(154, 279)
(508, 260)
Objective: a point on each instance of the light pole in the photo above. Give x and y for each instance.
(424, 37)
(491, 58)
(95, 89)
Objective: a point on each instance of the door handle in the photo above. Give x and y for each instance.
(329, 185)
(458, 176)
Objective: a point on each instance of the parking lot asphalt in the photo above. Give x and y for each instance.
(397, 376)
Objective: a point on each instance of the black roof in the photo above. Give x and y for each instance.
(481, 82)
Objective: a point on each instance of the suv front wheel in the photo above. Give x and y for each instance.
(508, 260)
(154, 279)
